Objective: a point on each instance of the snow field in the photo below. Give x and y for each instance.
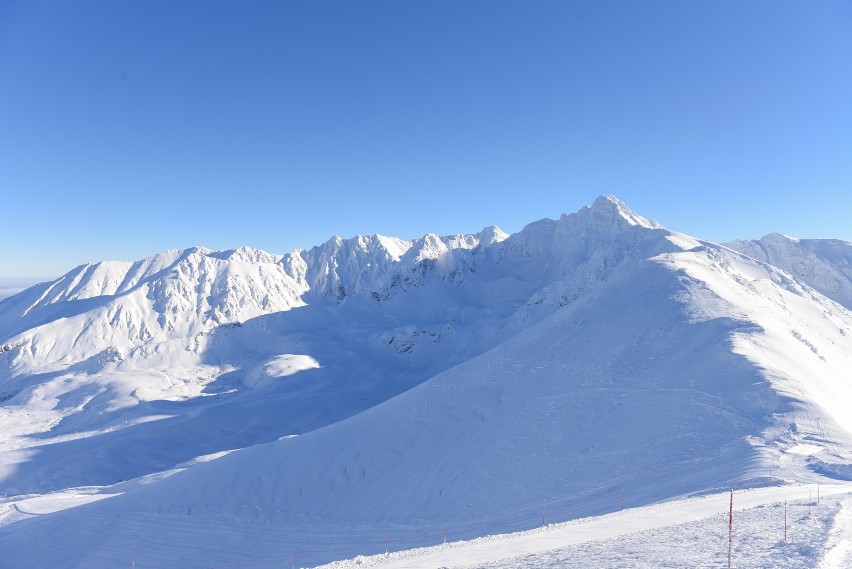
(681, 533)
(839, 552)
(389, 394)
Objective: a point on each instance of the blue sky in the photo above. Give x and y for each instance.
(127, 128)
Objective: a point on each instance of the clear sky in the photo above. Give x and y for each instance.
(131, 127)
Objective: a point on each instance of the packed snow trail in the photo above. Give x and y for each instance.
(519, 549)
(839, 556)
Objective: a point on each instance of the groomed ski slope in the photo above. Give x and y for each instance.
(680, 533)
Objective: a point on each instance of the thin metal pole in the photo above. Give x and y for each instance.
(730, 527)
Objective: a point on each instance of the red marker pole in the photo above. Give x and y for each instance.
(785, 521)
(730, 527)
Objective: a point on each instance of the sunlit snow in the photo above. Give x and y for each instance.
(216, 408)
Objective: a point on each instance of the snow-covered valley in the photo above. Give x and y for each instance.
(202, 408)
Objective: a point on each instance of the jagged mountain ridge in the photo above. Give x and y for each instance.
(824, 264)
(621, 355)
(186, 293)
(127, 308)
(199, 326)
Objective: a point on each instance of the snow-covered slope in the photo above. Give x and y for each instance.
(455, 380)
(824, 264)
(118, 356)
(135, 310)
(655, 536)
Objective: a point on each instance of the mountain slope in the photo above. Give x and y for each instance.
(110, 364)
(579, 356)
(824, 264)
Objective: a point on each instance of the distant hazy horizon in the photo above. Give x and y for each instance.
(13, 285)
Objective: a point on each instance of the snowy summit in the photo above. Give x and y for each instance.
(207, 408)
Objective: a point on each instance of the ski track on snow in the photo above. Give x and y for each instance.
(681, 533)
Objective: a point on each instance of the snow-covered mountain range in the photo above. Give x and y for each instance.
(376, 383)
(824, 264)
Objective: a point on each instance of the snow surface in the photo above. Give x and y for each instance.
(680, 533)
(378, 386)
(824, 264)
